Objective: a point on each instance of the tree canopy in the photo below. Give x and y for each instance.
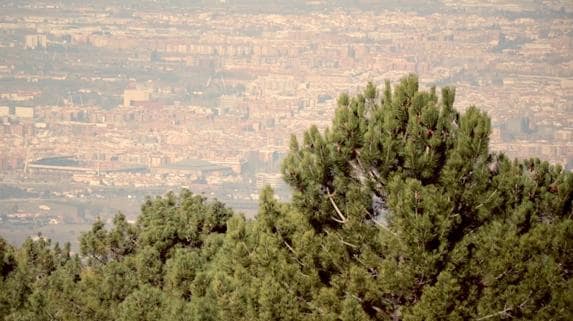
(399, 212)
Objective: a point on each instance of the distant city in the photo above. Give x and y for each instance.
(104, 103)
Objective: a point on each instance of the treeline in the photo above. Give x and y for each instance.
(399, 212)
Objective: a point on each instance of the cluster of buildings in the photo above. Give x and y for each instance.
(141, 97)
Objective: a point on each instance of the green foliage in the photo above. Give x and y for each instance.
(399, 212)
(144, 304)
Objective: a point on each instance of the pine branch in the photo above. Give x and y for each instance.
(349, 244)
(342, 217)
(502, 312)
(505, 311)
(499, 276)
(487, 200)
(354, 246)
(293, 252)
(337, 220)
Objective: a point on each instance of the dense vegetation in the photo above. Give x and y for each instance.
(399, 212)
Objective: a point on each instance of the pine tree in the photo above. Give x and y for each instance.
(419, 206)
(399, 212)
